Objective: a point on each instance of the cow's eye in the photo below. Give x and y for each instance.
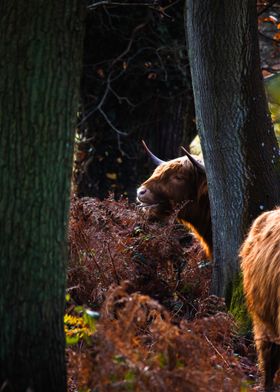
(179, 178)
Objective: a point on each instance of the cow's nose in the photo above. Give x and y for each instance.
(141, 191)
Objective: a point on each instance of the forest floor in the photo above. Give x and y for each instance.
(158, 330)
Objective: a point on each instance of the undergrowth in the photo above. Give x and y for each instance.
(159, 330)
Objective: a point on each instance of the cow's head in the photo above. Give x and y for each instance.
(179, 184)
(172, 182)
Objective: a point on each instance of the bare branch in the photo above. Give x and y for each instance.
(109, 2)
(139, 27)
(216, 350)
(120, 98)
(267, 7)
(111, 124)
(99, 108)
(152, 5)
(276, 41)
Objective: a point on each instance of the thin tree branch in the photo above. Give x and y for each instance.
(111, 124)
(216, 350)
(276, 41)
(139, 27)
(109, 2)
(267, 7)
(113, 264)
(153, 5)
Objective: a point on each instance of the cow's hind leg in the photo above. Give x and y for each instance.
(270, 359)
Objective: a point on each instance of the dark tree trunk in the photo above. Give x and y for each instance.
(171, 125)
(238, 142)
(40, 52)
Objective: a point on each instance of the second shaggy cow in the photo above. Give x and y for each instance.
(260, 263)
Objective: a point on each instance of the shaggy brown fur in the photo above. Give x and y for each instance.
(260, 263)
(180, 184)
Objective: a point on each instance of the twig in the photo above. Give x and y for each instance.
(269, 5)
(101, 111)
(113, 264)
(154, 7)
(139, 27)
(111, 124)
(99, 269)
(109, 2)
(73, 287)
(276, 41)
(120, 98)
(216, 350)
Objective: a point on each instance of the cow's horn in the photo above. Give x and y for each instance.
(194, 161)
(155, 159)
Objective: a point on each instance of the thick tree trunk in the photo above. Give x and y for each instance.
(170, 126)
(239, 146)
(40, 52)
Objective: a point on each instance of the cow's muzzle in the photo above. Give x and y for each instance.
(145, 197)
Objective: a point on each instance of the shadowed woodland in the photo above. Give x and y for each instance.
(98, 292)
(160, 328)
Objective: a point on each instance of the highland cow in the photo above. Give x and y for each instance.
(179, 184)
(260, 264)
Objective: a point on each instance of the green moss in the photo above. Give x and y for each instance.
(238, 306)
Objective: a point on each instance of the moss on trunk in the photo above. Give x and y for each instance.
(238, 306)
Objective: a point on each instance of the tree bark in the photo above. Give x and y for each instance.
(170, 126)
(40, 56)
(238, 142)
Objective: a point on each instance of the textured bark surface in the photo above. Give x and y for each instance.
(239, 146)
(170, 126)
(40, 52)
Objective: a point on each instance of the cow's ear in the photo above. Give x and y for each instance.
(196, 163)
(155, 159)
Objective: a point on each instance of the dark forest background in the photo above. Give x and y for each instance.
(136, 84)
